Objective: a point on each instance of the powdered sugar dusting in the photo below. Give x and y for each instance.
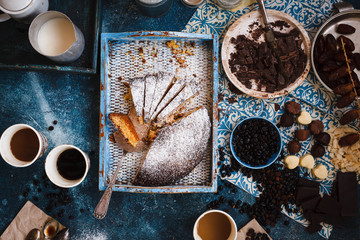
(137, 86)
(150, 92)
(176, 151)
(91, 235)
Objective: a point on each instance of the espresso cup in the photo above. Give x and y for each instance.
(22, 10)
(52, 170)
(224, 223)
(55, 36)
(9, 152)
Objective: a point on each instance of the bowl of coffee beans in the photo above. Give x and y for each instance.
(255, 142)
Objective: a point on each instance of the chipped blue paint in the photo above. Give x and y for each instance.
(104, 96)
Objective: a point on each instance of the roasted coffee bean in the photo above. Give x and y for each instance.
(326, 56)
(338, 73)
(330, 66)
(330, 43)
(302, 134)
(356, 58)
(320, 44)
(345, 29)
(349, 140)
(323, 138)
(317, 150)
(343, 89)
(316, 127)
(349, 116)
(293, 107)
(340, 56)
(346, 100)
(349, 45)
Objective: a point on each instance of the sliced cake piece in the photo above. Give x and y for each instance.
(162, 85)
(126, 127)
(137, 88)
(181, 97)
(176, 151)
(150, 92)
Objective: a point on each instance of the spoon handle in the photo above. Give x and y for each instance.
(263, 12)
(103, 205)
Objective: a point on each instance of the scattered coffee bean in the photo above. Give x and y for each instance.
(55, 122)
(234, 190)
(51, 128)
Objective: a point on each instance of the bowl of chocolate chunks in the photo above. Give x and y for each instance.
(335, 53)
(255, 142)
(253, 66)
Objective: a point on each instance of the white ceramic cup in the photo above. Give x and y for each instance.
(5, 148)
(233, 233)
(22, 10)
(52, 171)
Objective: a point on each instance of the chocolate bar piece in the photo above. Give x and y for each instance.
(311, 203)
(313, 228)
(305, 193)
(304, 182)
(347, 193)
(321, 217)
(329, 205)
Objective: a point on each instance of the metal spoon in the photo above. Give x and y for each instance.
(34, 234)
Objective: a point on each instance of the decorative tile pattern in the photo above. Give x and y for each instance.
(313, 97)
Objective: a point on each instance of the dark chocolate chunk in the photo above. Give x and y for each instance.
(302, 134)
(316, 127)
(293, 107)
(276, 106)
(311, 203)
(286, 120)
(323, 138)
(313, 228)
(294, 146)
(317, 217)
(329, 206)
(347, 193)
(305, 193)
(317, 150)
(304, 182)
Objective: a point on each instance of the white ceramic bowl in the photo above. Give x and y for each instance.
(241, 27)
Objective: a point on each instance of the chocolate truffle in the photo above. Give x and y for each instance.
(302, 134)
(317, 150)
(292, 107)
(286, 120)
(323, 138)
(294, 146)
(316, 127)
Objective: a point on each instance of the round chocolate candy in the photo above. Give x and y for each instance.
(294, 146)
(316, 127)
(317, 150)
(323, 138)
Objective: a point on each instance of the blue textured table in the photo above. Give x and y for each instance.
(73, 100)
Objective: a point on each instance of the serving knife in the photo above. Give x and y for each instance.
(270, 40)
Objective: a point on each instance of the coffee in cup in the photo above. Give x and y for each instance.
(215, 225)
(66, 166)
(21, 145)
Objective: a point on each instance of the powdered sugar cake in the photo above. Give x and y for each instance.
(176, 151)
(150, 92)
(137, 86)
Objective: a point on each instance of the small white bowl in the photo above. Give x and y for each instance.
(233, 233)
(52, 171)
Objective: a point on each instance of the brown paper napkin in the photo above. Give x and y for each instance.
(241, 235)
(29, 217)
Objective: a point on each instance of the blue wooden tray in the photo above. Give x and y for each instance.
(121, 61)
(16, 51)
